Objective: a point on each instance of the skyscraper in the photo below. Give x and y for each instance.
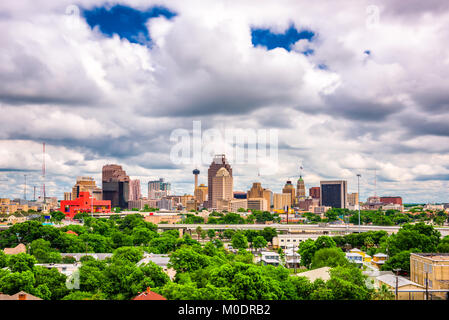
(257, 191)
(300, 189)
(115, 185)
(218, 162)
(158, 189)
(201, 194)
(222, 185)
(85, 184)
(314, 192)
(334, 194)
(134, 190)
(290, 188)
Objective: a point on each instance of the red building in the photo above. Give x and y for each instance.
(394, 200)
(314, 192)
(84, 204)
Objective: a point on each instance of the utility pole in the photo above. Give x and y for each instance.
(397, 283)
(358, 194)
(427, 285)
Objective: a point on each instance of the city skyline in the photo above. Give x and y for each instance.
(349, 93)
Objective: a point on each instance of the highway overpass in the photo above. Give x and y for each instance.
(292, 228)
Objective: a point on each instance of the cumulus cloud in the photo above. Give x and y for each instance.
(363, 97)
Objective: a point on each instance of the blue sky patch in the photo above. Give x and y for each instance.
(270, 40)
(125, 21)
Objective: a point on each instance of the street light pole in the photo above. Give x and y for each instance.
(358, 195)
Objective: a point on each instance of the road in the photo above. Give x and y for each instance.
(292, 228)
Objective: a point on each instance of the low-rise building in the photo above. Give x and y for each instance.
(160, 217)
(22, 295)
(431, 270)
(292, 257)
(292, 240)
(410, 290)
(270, 258)
(379, 259)
(20, 248)
(259, 204)
(320, 273)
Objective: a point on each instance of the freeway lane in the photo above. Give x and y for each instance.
(292, 227)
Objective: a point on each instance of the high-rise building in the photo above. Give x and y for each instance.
(353, 199)
(314, 192)
(259, 204)
(240, 195)
(257, 191)
(222, 185)
(334, 194)
(290, 188)
(115, 185)
(158, 189)
(201, 194)
(300, 189)
(85, 184)
(134, 190)
(281, 200)
(218, 162)
(389, 200)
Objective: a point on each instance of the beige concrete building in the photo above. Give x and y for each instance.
(187, 197)
(222, 186)
(201, 193)
(257, 204)
(353, 199)
(85, 184)
(290, 189)
(280, 200)
(257, 191)
(159, 218)
(191, 205)
(403, 284)
(430, 268)
(236, 204)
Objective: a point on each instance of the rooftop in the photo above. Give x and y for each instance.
(320, 273)
(390, 280)
(434, 256)
(149, 295)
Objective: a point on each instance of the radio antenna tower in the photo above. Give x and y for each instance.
(25, 188)
(375, 182)
(43, 171)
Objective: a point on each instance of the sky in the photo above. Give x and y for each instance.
(350, 86)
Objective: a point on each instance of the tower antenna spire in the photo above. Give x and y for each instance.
(43, 172)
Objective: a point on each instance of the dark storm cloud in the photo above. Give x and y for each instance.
(434, 100)
(432, 177)
(415, 7)
(28, 80)
(359, 109)
(419, 125)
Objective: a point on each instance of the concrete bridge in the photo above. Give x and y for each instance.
(293, 228)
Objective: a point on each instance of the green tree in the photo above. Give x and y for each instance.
(259, 242)
(129, 254)
(187, 260)
(383, 293)
(239, 240)
(328, 257)
(42, 251)
(21, 262)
